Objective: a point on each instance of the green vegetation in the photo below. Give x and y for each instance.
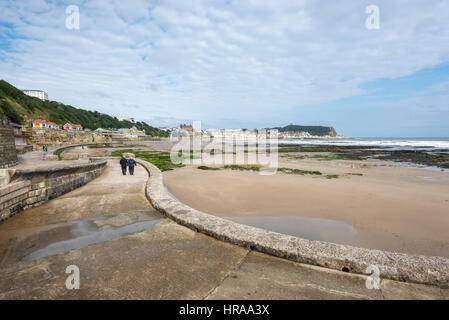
(313, 130)
(9, 113)
(257, 168)
(159, 159)
(242, 167)
(58, 153)
(332, 176)
(20, 108)
(207, 168)
(292, 156)
(326, 157)
(299, 171)
(355, 174)
(324, 148)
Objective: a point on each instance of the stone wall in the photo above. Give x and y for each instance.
(8, 153)
(392, 265)
(40, 137)
(29, 188)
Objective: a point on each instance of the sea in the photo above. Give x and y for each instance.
(423, 144)
(428, 145)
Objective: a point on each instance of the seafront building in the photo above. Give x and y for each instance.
(37, 94)
(127, 119)
(122, 133)
(294, 134)
(71, 126)
(44, 124)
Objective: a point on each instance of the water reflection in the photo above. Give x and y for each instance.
(307, 228)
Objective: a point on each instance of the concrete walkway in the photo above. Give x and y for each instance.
(126, 250)
(36, 159)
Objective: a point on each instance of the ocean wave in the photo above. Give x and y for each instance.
(375, 142)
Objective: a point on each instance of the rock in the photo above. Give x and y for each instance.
(41, 137)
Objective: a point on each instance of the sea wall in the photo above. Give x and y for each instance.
(395, 266)
(8, 153)
(32, 187)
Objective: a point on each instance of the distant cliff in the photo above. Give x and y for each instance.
(313, 130)
(17, 107)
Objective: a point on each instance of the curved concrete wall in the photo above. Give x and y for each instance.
(31, 187)
(395, 266)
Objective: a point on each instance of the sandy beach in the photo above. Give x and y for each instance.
(388, 207)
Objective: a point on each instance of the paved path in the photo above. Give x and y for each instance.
(35, 159)
(126, 250)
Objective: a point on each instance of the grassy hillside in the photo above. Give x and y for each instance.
(313, 130)
(20, 108)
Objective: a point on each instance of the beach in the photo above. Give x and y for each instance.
(372, 204)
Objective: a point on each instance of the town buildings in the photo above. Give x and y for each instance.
(127, 119)
(71, 126)
(122, 133)
(37, 94)
(44, 124)
(294, 134)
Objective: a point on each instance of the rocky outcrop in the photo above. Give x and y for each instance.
(312, 130)
(40, 137)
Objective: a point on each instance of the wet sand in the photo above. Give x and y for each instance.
(388, 208)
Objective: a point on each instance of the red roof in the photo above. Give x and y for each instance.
(45, 121)
(73, 125)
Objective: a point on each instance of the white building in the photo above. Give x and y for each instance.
(71, 126)
(43, 124)
(127, 119)
(37, 94)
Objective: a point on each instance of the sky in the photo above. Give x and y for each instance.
(239, 63)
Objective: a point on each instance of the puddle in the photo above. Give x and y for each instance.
(302, 227)
(80, 233)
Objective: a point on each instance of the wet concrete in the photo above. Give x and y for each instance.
(81, 233)
(76, 220)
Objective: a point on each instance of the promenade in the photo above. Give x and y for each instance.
(126, 250)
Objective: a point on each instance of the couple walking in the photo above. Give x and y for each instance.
(130, 163)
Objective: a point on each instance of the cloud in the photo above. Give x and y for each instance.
(218, 59)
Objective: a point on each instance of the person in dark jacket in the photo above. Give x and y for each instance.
(123, 163)
(131, 164)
